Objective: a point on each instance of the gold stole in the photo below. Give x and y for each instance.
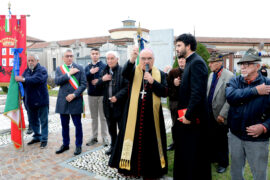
(125, 161)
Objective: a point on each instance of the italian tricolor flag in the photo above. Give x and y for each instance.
(14, 111)
(7, 24)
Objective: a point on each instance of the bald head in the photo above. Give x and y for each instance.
(147, 50)
(146, 57)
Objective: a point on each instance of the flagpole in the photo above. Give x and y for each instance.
(21, 123)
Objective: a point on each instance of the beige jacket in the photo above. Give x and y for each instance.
(219, 102)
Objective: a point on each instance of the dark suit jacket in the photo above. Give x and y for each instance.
(76, 105)
(119, 90)
(193, 87)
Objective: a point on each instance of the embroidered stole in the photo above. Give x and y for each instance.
(125, 161)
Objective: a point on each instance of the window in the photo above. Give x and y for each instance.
(54, 64)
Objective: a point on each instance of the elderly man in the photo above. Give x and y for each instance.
(174, 79)
(114, 95)
(72, 81)
(191, 160)
(218, 110)
(249, 118)
(95, 98)
(36, 99)
(141, 145)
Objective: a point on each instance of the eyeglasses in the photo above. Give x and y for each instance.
(67, 56)
(146, 59)
(245, 64)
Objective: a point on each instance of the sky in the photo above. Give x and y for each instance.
(53, 20)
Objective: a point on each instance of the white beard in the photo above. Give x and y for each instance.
(244, 75)
(31, 67)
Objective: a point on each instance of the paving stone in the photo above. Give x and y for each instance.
(36, 163)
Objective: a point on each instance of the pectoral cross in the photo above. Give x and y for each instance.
(143, 93)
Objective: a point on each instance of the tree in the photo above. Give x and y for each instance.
(175, 64)
(201, 50)
(4, 89)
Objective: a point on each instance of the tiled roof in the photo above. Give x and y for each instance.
(32, 39)
(94, 41)
(98, 41)
(39, 45)
(232, 40)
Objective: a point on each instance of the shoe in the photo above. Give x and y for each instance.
(109, 151)
(170, 147)
(106, 142)
(33, 141)
(43, 144)
(92, 142)
(78, 151)
(221, 169)
(29, 131)
(62, 149)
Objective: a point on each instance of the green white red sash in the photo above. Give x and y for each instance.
(72, 81)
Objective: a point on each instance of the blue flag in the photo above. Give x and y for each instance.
(16, 66)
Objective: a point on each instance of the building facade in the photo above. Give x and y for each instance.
(122, 40)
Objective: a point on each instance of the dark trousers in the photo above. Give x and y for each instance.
(38, 119)
(219, 143)
(112, 126)
(76, 118)
(191, 158)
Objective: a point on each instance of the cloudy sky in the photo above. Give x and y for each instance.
(67, 19)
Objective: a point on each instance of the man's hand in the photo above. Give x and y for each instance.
(94, 82)
(255, 130)
(134, 54)
(148, 77)
(176, 81)
(113, 99)
(19, 78)
(263, 89)
(220, 120)
(167, 68)
(184, 120)
(70, 97)
(94, 70)
(107, 77)
(73, 71)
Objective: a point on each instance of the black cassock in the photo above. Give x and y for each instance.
(145, 159)
(191, 161)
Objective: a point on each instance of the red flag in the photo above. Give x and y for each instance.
(15, 38)
(16, 130)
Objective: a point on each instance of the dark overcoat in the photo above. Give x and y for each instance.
(119, 90)
(76, 105)
(145, 159)
(191, 152)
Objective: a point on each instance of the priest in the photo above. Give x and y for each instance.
(140, 150)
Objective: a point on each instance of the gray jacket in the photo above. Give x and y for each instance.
(219, 102)
(76, 105)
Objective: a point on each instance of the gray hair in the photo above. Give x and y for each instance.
(67, 50)
(113, 53)
(35, 56)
